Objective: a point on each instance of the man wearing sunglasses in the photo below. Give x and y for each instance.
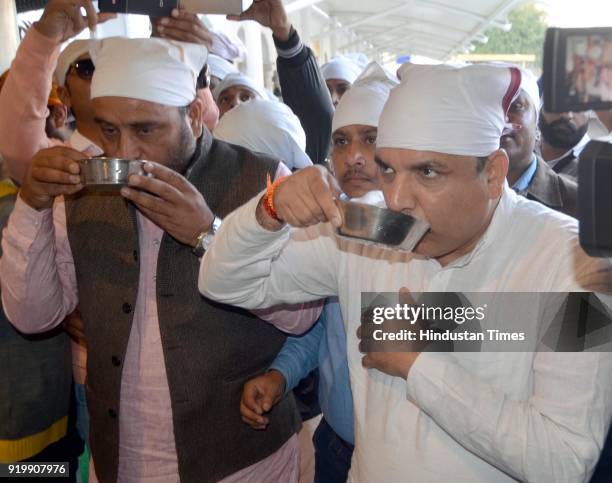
(24, 96)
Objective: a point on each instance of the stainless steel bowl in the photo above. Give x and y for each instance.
(380, 225)
(109, 172)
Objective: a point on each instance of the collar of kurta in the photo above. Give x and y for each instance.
(498, 225)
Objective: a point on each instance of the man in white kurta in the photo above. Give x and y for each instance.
(430, 417)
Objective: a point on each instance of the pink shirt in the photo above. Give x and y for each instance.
(39, 284)
(23, 114)
(23, 102)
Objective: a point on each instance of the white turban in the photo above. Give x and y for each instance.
(154, 70)
(448, 109)
(237, 79)
(364, 102)
(219, 67)
(267, 127)
(529, 83)
(227, 45)
(346, 68)
(72, 52)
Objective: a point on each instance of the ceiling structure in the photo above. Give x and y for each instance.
(434, 28)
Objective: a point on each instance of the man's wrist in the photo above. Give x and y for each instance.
(264, 219)
(279, 379)
(47, 31)
(205, 237)
(34, 202)
(282, 33)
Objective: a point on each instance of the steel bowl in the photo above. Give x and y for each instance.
(380, 225)
(109, 172)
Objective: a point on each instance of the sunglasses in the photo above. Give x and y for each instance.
(203, 78)
(84, 69)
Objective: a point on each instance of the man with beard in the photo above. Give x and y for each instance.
(563, 138)
(166, 367)
(529, 175)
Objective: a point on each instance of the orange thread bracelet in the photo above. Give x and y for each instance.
(268, 201)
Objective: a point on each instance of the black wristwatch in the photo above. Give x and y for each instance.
(206, 237)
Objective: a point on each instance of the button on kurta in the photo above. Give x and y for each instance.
(127, 308)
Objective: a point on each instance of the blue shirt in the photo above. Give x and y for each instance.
(323, 346)
(524, 181)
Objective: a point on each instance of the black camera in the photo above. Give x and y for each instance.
(595, 198)
(578, 77)
(578, 69)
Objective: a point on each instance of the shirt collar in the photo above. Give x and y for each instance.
(499, 223)
(523, 182)
(575, 151)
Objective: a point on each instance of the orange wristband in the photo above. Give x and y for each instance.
(268, 200)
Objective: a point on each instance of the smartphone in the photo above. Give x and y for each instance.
(153, 8)
(595, 198)
(222, 7)
(578, 69)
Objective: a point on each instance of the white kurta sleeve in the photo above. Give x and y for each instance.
(555, 435)
(253, 268)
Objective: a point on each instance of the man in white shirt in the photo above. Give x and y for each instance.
(428, 417)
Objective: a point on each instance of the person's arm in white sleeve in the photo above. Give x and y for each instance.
(37, 268)
(254, 268)
(556, 435)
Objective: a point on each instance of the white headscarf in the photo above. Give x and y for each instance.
(220, 67)
(529, 83)
(237, 79)
(344, 67)
(448, 109)
(364, 102)
(227, 45)
(154, 70)
(72, 52)
(267, 127)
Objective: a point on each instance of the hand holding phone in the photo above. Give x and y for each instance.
(63, 19)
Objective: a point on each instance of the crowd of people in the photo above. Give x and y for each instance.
(165, 328)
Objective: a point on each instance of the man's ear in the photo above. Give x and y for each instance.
(195, 114)
(59, 114)
(496, 170)
(64, 95)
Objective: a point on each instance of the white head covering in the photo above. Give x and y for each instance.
(72, 52)
(227, 45)
(529, 83)
(364, 102)
(154, 70)
(220, 67)
(237, 79)
(448, 108)
(344, 67)
(267, 127)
